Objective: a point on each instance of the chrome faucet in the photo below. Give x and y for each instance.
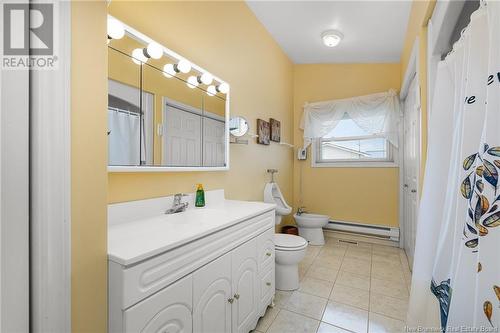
(301, 210)
(177, 205)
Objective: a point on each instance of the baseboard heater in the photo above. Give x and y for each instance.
(379, 231)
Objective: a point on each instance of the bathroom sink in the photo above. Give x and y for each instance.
(140, 229)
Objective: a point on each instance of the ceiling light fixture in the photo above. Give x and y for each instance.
(332, 38)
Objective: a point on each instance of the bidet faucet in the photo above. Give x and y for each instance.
(301, 210)
(177, 205)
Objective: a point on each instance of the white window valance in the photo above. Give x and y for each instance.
(377, 114)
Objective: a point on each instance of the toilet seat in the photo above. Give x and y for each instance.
(285, 242)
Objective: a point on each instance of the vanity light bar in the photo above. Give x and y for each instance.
(169, 70)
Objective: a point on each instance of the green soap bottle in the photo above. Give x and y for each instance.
(200, 196)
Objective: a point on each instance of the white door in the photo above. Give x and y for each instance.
(411, 163)
(212, 297)
(246, 287)
(213, 142)
(168, 311)
(182, 138)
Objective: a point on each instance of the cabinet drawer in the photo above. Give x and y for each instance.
(266, 288)
(167, 311)
(265, 249)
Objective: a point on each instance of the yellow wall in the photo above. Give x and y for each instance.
(421, 11)
(88, 167)
(226, 39)
(366, 195)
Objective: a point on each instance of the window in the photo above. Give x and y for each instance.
(349, 144)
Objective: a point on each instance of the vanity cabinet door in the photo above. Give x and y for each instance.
(168, 311)
(212, 297)
(245, 287)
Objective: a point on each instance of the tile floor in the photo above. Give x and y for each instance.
(344, 288)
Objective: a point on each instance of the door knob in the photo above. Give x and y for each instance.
(230, 300)
(268, 283)
(413, 191)
(236, 296)
(268, 254)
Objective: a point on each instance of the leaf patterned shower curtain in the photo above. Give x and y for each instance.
(456, 273)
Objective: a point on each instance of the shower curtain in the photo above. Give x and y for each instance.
(123, 138)
(456, 272)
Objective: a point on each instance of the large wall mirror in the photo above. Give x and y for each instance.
(164, 112)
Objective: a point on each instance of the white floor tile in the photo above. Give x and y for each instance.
(389, 306)
(327, 328)
(346, 317)
(389, 288)
(316, 287)
(382, 324)
(351, 296)
(323, 272)
(290, 322)
(307, 305)
(281, 298)
(356, 266)
(353, 280)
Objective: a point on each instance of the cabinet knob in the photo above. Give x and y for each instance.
(236, 296)
(268, 283)
(231, 300)
(268, 254)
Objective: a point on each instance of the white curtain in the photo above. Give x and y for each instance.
(376, 114)
(123, 138)
(456, 272)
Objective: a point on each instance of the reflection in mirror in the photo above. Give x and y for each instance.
(125, 121)
(238, 126)
(163, 111)
(214, 131)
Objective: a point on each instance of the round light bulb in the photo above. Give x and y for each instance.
(138, 56)
(206, 78)
(154, 50)
(115, 28)
(211, 91)
(223, 88)
(332, 38)
(168, 70)
(184, 66)
(192, 82)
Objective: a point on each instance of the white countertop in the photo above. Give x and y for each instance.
(132, 241)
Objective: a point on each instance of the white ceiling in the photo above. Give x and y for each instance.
(373, 31)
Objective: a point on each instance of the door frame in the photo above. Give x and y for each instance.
(412, 72)
(50, 176)
(14, 200)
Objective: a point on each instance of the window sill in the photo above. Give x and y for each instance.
(353, 164)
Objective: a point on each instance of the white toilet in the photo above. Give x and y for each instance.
(289, 249)
(311, 227)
